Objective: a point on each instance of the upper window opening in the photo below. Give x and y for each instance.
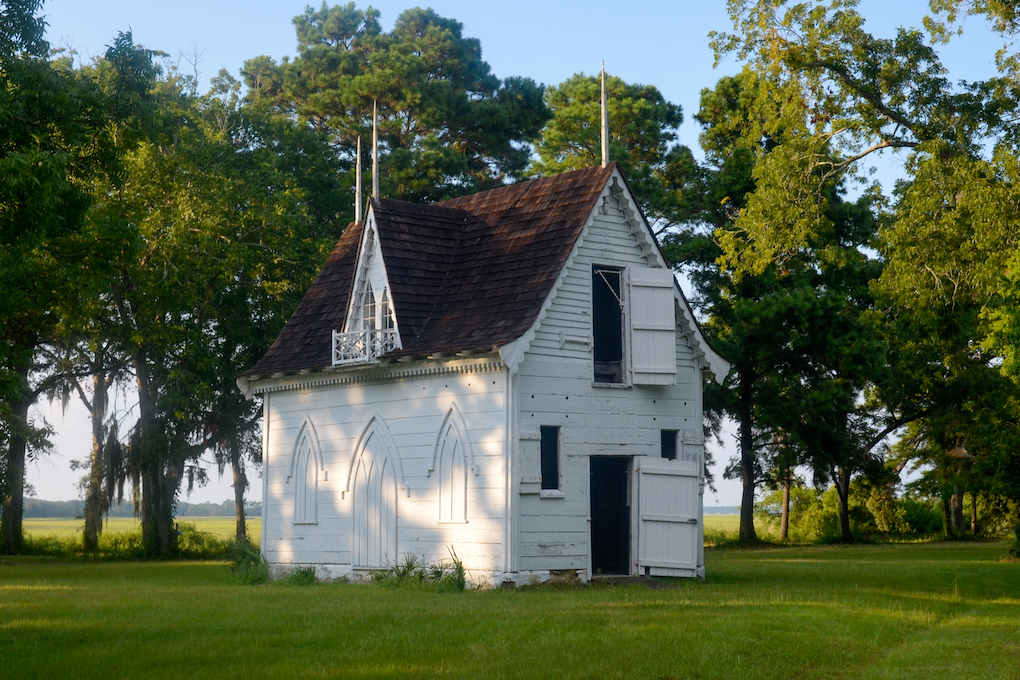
(607, 323)
(368, 320)
(386, 311)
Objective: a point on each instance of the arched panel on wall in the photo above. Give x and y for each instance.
(305, 470)
(375, 476)
(451, 459)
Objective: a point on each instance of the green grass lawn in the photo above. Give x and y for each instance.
(885, 611)
(221, 527)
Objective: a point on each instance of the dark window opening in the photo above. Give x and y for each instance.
(550, 457)
(607, 323)
(669, 444)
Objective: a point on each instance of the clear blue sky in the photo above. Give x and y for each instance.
(658, 42)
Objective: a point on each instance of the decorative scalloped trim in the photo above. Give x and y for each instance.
(383, 374)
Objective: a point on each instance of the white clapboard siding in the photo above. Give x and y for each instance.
(555, 387)
(414, 411)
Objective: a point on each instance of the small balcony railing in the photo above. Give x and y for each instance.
(362, 347)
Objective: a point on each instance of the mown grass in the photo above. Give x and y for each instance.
(220, 527)
(878, 611)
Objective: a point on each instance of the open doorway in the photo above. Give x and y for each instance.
(610, 515)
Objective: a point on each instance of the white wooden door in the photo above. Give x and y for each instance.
(669, 512)
(375, 507)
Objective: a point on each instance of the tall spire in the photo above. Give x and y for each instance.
(605, 120)
(375, 151)
(357, 185)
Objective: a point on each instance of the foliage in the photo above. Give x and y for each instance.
(412, 572)
(250, 567)
(299, 576)
(663, 175)
(447, 126)
(874, 513)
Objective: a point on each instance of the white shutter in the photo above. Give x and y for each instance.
(669, 503)
(652, 326)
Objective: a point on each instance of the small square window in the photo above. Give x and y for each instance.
(669, 438)
(550, 457)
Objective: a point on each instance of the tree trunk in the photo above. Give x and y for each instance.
(240, 484)
(160, 476)
(973, 513)
(94, 506)
(747, 533)
(784, 522)
(843, 491)
(947, 516)
(956, 504)
(12, 499)
(12, 535)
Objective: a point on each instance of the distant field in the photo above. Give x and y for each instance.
(221, 527)
(722, 523)
(873, 612)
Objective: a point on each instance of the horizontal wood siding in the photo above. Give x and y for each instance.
(555, 388)
(414, 411)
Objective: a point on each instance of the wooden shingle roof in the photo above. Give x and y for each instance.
(470, 273)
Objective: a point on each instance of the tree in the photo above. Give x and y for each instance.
(53, 144)
(447, 126)
(859, 95)
(643, 126)
(226, 207)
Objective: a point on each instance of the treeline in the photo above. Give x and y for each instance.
(35, 507)
(155, 239)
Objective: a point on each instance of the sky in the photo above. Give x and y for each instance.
(658, 42)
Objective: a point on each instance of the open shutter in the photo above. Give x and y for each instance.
(669, 529)
(652, 326)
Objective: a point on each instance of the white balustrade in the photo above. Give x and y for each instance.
(362, 347)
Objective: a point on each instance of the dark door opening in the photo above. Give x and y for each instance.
(610, 515)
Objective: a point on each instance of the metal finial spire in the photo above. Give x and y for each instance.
(605, 120)
(375, 151)
(357, 185)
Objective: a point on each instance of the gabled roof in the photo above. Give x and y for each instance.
(470, 273)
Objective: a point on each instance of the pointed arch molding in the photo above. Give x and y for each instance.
(376, 427)
(307, 433)
(454, 418)
(306, 471)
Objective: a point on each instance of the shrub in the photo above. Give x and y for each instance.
(1015, 548)
(446, 576)
(300, 576)
(196, 544)
(250, 567)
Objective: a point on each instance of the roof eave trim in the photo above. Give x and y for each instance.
(513, 352)
(707, 357)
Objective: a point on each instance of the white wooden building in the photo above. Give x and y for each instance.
(513, 374)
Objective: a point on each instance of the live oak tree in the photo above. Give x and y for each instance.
(52, 145)
(229, 206)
